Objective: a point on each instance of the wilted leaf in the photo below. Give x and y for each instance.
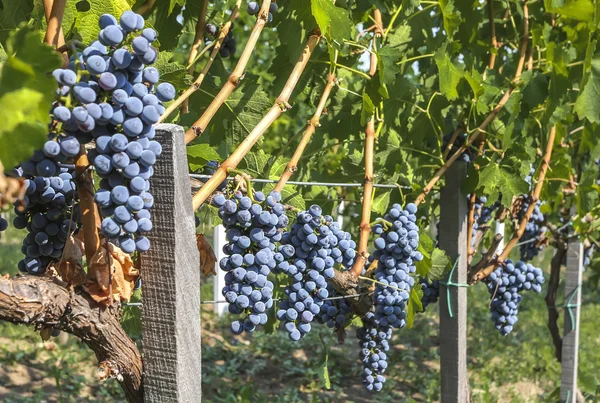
(116, 265)
(207, 256)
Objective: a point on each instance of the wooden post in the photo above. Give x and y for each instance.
(171, 272)
(453, 327)
(570, 340)
(219, 240)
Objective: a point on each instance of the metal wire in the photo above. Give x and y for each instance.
(331, 184)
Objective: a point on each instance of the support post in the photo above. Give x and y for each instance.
(453, 328)
(171, 292)
(500, 230)
(570, 340)
(219, 240)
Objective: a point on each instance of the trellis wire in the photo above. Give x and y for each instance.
(330, 184)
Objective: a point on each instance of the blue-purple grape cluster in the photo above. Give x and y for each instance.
(373, 341)
(115, 100)
(49, 209)
(253, 228)
(466, 156)
(588, 253)
(396, 253)
(505, 285)
(254, 8)
(312, 248)
(532, 239)
(209, 169)
(335, 313)
(229, 45)
(431, 292)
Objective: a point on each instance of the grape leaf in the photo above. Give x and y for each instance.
(173, 3)
(588, 102)
(199, 155)
(12, 14)
(381, 202)
(582, 10)
(172, 71)
(502, 178)
(426, 248)
(84, 24)
(449, 74)
(452, 18)
(414, 304)
(324, 372)
(440, 265)
(131, 319)
(26, 91)
(333, 21)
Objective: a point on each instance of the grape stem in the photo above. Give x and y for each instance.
(365, 222)
(54, 11)
(246, 179)
(380, 283)
(234, 79)
(198, 82)
(553, 282)
(495, 45)
(198, 40)
(281, 105)
(311, 126)
(534, 197)
(89, 211)
(386, 223)
(480, 131)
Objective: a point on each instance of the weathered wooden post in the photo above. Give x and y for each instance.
(453, 299)
(171, 273)
(570, 340)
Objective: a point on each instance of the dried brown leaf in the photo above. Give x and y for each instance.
(114, 271)
(207, 255)
(45, 333)
(70, 267)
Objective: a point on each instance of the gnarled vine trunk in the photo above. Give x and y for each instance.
(44, 302)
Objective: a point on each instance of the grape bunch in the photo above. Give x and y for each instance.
(396, 253)
(115, 100)
(505, 285)
(253, 228)
(48, 210)
(532, 239)
(588, 252)
(254, 8)
(335, 312)
(467, 155)
(312, 247)
(431, 292)
(229, 44)
(373, 341)
(209, 169)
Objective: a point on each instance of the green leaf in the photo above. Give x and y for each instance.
(582, 10)
(244, 108)
(440, 265)
(131, 319)
(333, 21)
(324, 372)
(587, 105)
(12, 14)
(381, 202)
(502, 178)
(173, 3)
(426, 248)
(451, 15)
(84, 24)
(368, 109)
(414, 304)
(172, 71)
(200, 154)
(449, 74)
(26, 92)
(386, 64)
